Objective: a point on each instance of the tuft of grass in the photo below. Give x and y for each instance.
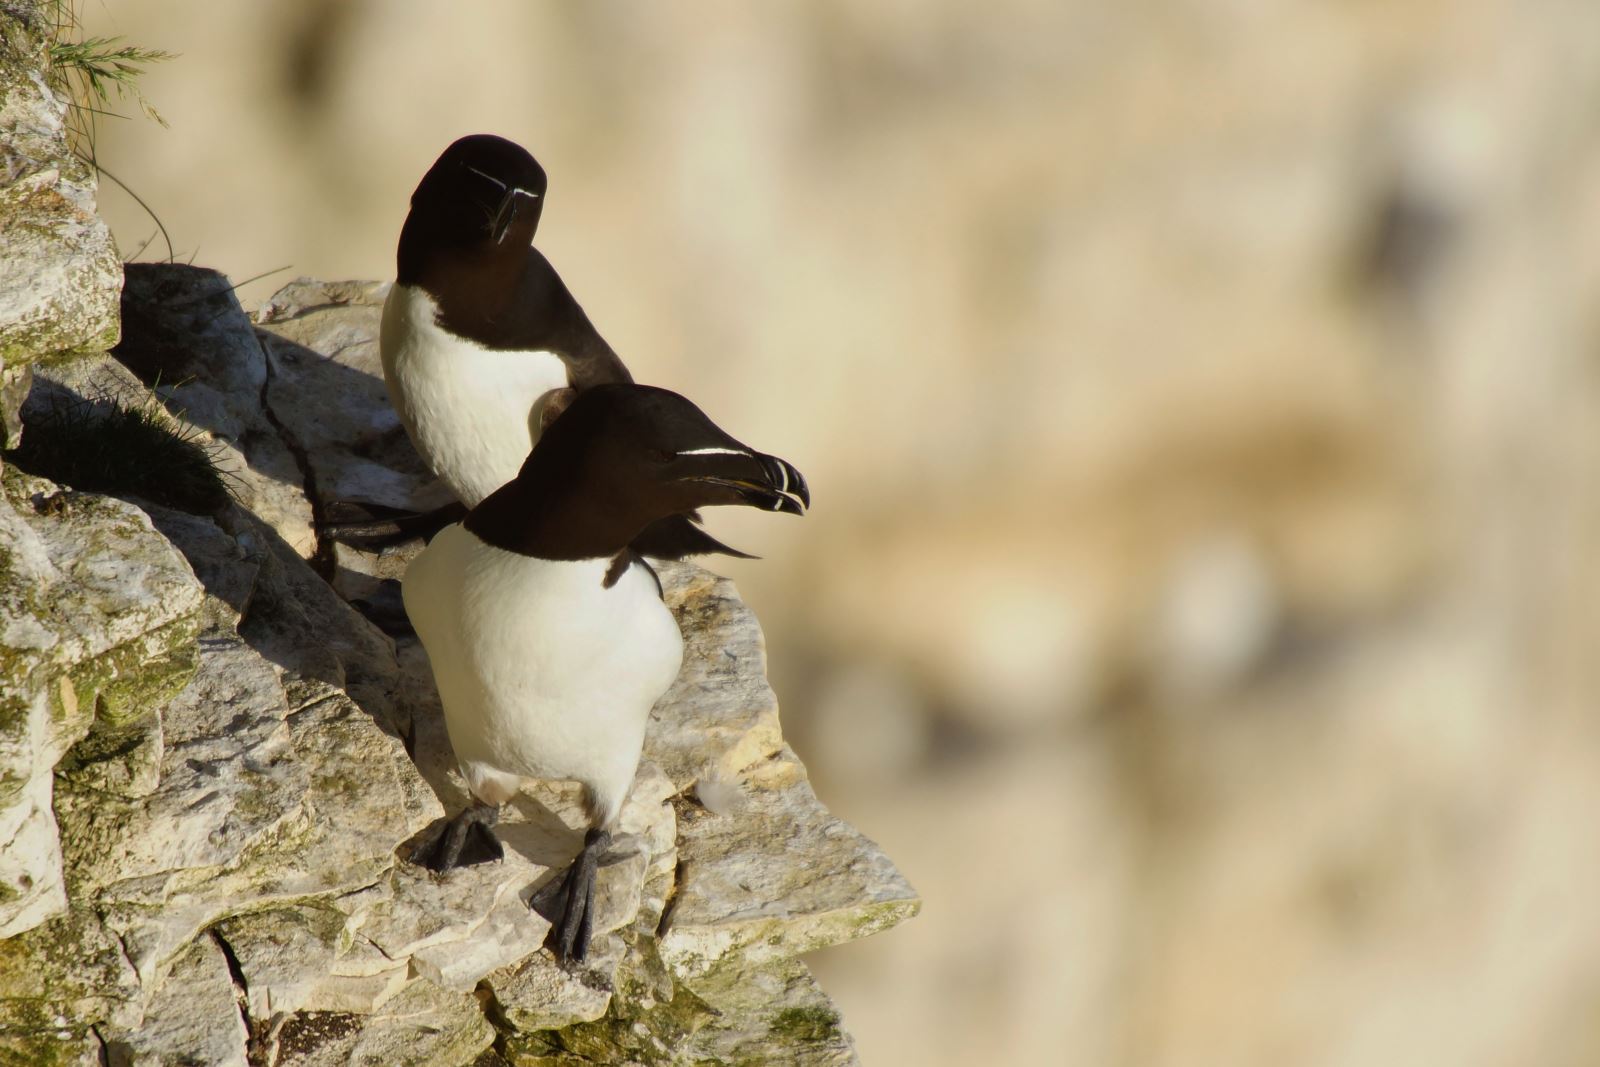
(92, 69)
(102, 446)
(88, 73)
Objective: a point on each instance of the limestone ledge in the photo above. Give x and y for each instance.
(232, 879)
(59, 272)
(97, 619)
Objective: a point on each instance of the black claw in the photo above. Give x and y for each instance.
(466, 840)
(572, 932)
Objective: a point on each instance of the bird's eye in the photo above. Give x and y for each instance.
(661, 455)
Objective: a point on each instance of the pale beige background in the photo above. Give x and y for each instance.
(1201, 403)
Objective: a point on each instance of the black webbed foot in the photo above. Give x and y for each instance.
(466, 840)
(569, 937)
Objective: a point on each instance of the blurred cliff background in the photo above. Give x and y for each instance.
(1203, 406)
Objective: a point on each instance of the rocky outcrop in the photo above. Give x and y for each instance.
(98, 615)
(219, 767)
(214, 767)
(59, 274)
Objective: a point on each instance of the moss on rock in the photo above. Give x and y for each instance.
(67, 974)
(126, 688)
(641, 1026)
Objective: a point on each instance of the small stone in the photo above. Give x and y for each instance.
(194, 1018)
(720, 716)
(16, 379)
(421, 1025)
(185, 335)
(540, 994)
(781, 877)
(427, 909)
(284, 955)
(362, 994)
(774, 1013)
(510, 932)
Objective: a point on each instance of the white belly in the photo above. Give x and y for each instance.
(472, 412)
(543, 673)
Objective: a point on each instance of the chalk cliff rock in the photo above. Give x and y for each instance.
(213, 768)
(59, 274)
(222, 765)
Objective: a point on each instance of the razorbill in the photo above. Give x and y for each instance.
(546, 630)
(482, 343)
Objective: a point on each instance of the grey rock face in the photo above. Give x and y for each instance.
(423, 1024)
(96, 614)
(691, 897)
(185, 335)
(59, 274)
(60, 980)
(327, 390)
(770, 1013)
(244, 765)
(779, 877)
(724, 679)
(196, 1010)
(15, 381)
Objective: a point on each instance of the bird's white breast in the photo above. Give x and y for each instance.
(542, 671)
(472, 412)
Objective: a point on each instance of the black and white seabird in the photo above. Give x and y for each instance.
(482, 343)
(546, 631)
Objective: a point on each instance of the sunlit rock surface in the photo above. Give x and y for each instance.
(97, 619)
(215, 769)
(185, 336)
(235, 873)
(1232, 367)
(59, 274)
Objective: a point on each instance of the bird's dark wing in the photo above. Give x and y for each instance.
(391, 527)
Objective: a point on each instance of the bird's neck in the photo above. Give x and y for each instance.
(472, 281)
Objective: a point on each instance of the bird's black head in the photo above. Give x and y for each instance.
(483, 194)
(621, 457)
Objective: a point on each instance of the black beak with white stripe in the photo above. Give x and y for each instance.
(736, 475)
